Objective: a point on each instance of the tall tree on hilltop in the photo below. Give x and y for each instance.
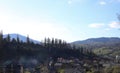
(14, 41)
(18, 40)
(48, 41)
(52, 41)
(28, 39)
(45, 42)
(8, 38)
(1, 39)
(48, 44)
(1, 45)
(56, 41)
(60, 42)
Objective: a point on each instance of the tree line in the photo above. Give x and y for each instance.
(16, 48)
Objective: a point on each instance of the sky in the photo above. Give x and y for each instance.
(69, 20)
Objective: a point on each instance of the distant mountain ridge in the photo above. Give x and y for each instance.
(99, 40)
(21, 37)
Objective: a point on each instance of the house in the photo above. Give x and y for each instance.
(117, 59)
(14, 67)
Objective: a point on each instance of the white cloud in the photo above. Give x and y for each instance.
(102, 3)
(114, 24)
(74, 1)
(69, 2)
(110, 26)
(96, 25)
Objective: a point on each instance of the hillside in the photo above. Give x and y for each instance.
(11, 48)
(54, 54)
(101, 46)
(99, 40)
(21, 37)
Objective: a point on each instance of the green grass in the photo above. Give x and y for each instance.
(102, 51)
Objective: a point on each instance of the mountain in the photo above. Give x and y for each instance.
(101, 46)
(99, 40)
(21, 37)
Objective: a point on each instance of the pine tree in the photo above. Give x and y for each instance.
(60, 42)
(1, 39)
(14, 41)
(28, 39)
(18, 40)
(8, 38)
(48, 41)
(1, 45)
(45, 42)
(52, 42)
(56, 42)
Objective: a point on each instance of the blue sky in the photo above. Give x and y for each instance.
(69, 20)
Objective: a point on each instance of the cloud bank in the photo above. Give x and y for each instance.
(96, 25)
(102, 3)
(114, 24)
(111, 25)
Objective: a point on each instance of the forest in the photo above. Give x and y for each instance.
(53, 56)
(14, 49)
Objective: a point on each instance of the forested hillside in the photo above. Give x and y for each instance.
(15, 49)
(102, 46)
(54, 55)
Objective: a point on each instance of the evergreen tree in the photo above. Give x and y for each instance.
(1, 38)
(1, 41)
(45, 42)
(52, 42)
(14, 41)
(48, 45)
(8, 38)
(18, 40)
(28, 39)
(1, 45)
(60, 42)
(48, 41)
(81, 50)
(56, 42)
(74, 47)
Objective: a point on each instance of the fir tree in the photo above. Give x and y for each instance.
(1, 37)
(18, 40)
(28, 39)
(8, 38)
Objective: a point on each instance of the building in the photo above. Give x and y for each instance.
(14, 67)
